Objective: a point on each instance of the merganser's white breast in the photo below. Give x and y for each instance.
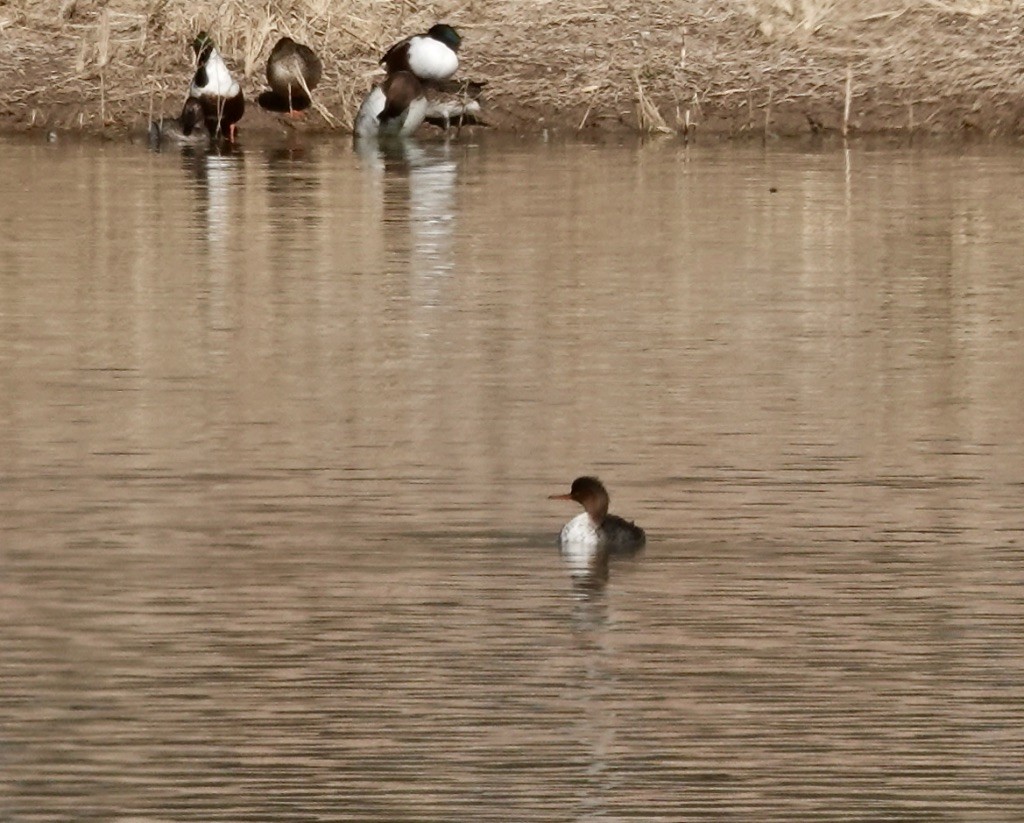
(580, 541)
(581, 531)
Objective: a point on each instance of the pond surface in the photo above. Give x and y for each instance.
(278, 429)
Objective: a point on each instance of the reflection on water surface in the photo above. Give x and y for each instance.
(278, 429)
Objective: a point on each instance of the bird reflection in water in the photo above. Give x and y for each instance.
(419, 209)
(593, 687)
(294, 216)
(217, 177)
(590, 574)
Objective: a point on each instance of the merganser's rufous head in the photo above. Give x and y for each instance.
(590, 493)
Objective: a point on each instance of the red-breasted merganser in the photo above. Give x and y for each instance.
(595, 530)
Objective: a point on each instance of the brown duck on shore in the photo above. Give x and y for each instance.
(293, 71)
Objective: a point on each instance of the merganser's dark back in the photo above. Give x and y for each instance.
(622, 537)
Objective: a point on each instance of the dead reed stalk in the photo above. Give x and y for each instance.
(103, 59)
(846, 104)
(648, 117)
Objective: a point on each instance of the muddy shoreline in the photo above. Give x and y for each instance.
(719, 70)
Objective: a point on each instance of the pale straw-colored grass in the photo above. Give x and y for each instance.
(661, 65)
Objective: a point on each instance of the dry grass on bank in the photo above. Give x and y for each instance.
(661, 65)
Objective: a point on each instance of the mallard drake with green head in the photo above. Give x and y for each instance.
(293, 71)
(212, 85)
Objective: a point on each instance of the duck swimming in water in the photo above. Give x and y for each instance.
(595, 530)
(293, 71)
(220, 95)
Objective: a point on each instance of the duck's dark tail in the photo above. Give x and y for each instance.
(622, 537)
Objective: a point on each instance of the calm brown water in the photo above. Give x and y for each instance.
(277, 432)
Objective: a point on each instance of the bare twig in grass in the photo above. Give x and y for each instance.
(586, 114)
(686, 124)
(103, 39)
(102, 59)
(348, 117)
(256, 38)
(590, 105)
(324, 113)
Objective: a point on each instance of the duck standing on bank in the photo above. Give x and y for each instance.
(398, 105)
(218, 93)
(432, 57)
(293, 71)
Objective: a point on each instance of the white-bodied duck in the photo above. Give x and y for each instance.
(213, 86)
(432, 56)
